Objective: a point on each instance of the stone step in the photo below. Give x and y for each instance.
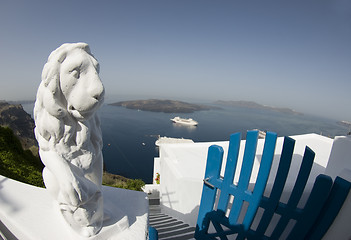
(168, 228)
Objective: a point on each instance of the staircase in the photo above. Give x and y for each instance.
(167, 226)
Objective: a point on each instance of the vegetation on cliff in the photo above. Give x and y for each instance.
(118, 181)
(21, 123)
(17, 163)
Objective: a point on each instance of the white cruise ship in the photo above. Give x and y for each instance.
(185, 121)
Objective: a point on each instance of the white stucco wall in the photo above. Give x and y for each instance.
(340, 156)
(156, 169)
(340, 165)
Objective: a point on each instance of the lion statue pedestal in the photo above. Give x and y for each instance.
(70, 140)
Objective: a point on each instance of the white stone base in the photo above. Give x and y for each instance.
(28, 212)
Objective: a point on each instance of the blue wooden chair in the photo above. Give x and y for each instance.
(311, 222)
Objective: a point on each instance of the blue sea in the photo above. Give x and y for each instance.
(129, 135)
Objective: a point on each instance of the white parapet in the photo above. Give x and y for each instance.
(27, 212)
(340, 156)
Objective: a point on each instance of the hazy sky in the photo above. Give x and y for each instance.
(293, 54)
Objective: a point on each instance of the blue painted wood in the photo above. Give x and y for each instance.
(230, 168)
(331, 208)
(261, 180)
(207, 212)
(214, 163)
(309, 215)
(239, 191)
(304, 217)
(271, 203)
(311, 222)
(288, 210)
(315, 202)
(153, 235)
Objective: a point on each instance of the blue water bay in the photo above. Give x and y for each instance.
(129, 135)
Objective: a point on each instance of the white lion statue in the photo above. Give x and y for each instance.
(69, 135)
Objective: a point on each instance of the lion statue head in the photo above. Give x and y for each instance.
(70, 93)
(69, 135)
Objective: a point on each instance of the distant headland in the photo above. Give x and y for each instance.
(166, 106)
(250, 104)
(13, 116)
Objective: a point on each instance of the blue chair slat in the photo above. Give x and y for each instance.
(248, 159)
(240, 194)
(289, 209)
(302, 177)
(261, 180)
(314, 204)
(213, 168)
(271, 203)
(336, 199)
(230, 168)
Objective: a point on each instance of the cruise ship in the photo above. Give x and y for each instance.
(185, 121)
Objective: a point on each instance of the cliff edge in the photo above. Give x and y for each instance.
(21, 123)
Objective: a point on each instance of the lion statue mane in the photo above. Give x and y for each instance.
(69, 135)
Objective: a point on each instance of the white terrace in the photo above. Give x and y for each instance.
(26, 212)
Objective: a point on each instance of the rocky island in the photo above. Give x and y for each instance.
(166, 106)
(250, 104)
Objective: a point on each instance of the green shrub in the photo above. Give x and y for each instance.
(118, 181)
(16, 163)
(135, 184)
